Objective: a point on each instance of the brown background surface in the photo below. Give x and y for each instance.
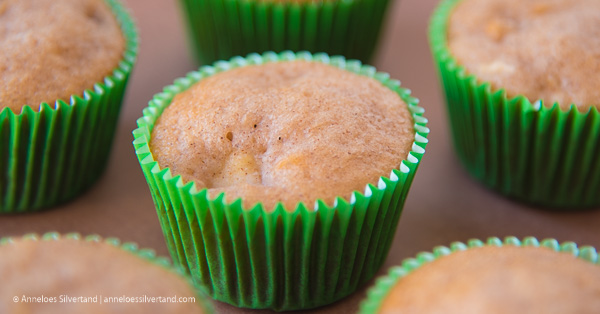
(444, 204)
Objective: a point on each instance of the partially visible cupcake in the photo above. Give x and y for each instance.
(509, 277)
(522, 91)
(69, 274)
(279, 179)
(64, 66)
(219, 30)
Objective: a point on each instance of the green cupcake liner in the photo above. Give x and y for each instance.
(221, 29)
(281, 259)
(377, 294)
(51, 155)
(538, 154)
(145, 254)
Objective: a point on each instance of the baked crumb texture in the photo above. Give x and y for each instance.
(542, 49)
(50, 50)
(285, 132)
(492, 279)
(82, 268)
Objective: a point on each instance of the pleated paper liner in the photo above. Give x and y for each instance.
(377, 294)
(538, 154)
(221, 29)
(145, 254)
(51, 155)
(283, 259)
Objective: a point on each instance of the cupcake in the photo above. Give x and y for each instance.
(257, 167)
(497, 277)
(68, 274)
(521, 89)
(219, 30)
(64, 66)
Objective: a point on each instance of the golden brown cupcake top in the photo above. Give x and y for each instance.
(542, 49)
(499, 280)
(53, 49)
(286, 131)
(61, 270)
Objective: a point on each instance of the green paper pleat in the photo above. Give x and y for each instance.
(145, 254)
(538, 154)
(383, 285)
(282, 259)
(54, 154)
(221, 29)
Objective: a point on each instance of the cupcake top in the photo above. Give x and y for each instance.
(63, 270)
(542, 49)
(494, 279)
(53, 49)
(289, 132)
